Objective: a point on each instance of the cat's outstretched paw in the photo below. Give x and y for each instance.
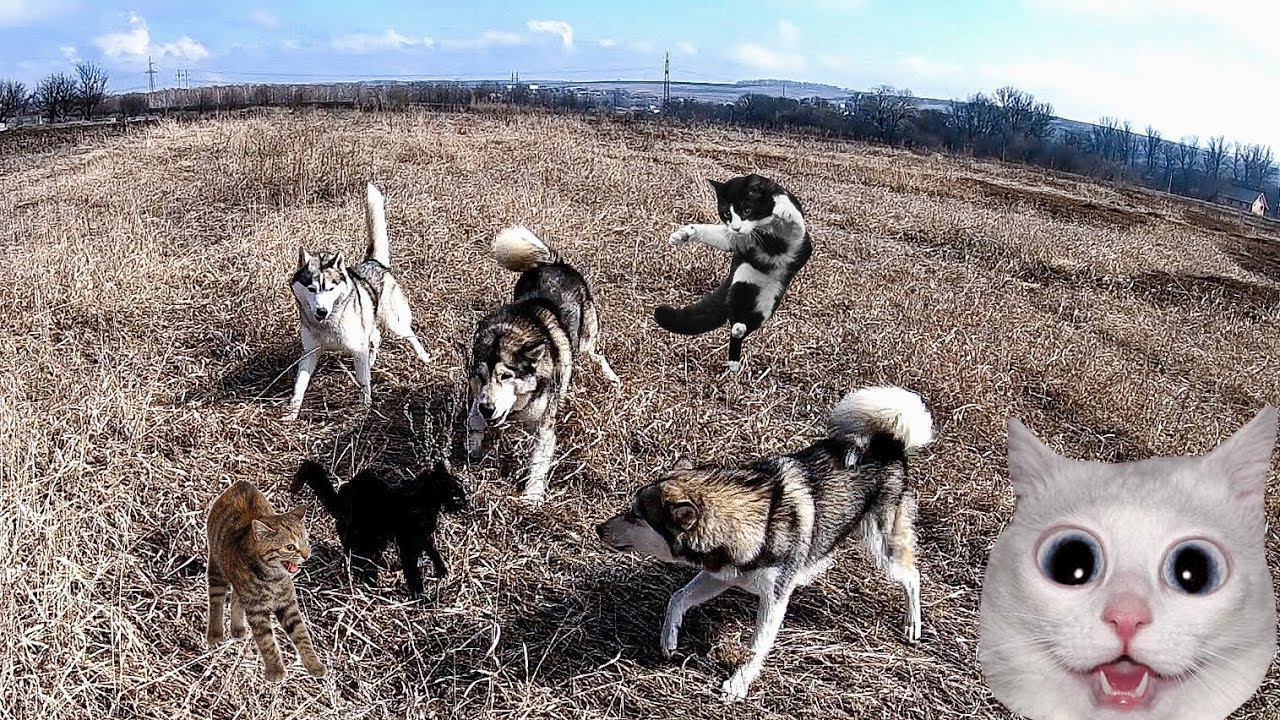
(735, 688)
(682, 235)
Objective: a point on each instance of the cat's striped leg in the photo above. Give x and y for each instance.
(291, 620)
(260, 622)
(238, 629)
(218, 589)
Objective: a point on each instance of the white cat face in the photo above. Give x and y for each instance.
(1136, 590)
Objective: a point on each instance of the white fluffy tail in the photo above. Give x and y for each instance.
(518, 249)
(376, 220)
(885, 408)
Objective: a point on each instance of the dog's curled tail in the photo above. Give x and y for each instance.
(705, 315)
(895, 411)
(314, 476)
(518, 249)
(375, 217)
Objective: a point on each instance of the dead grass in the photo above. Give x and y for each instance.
(149, 339)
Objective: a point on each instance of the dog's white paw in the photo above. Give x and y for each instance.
(735, 688)
(292, 414)
(911, 631)
(682, 235)
(670, 638)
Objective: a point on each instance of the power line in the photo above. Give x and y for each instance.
(666, 82)
(151, 74)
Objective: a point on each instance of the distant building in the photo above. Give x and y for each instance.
(1245, 199)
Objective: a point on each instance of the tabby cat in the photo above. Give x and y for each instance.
(253, 556)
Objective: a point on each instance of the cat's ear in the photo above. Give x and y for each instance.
(260, 529)
(1031, 462)
(1245, 457)
(717, 185)
(299, 512)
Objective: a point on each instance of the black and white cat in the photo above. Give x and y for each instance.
(1137, 590)
(763, 226)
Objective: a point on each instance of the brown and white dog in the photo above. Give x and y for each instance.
(774, 525)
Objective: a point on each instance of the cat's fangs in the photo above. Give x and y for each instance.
(1123, 692)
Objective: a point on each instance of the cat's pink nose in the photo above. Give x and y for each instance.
(1127, 613)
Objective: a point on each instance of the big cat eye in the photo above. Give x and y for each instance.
(1194, 567)
(1070, 557)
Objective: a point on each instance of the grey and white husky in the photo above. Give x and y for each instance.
(774, 525)
(523, 353)
(762, 225)
(346, 308)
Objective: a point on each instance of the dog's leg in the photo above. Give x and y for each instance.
(902, 562)
(364, 376)
(476, 427)
(400, 322)
(410, 553)
(437, 562)
(590, 337)
(375, 343)
(769, 616)
(703, 587)
(716, 236)
(540, 461)
(306, 366)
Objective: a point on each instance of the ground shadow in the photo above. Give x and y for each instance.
(265, 376)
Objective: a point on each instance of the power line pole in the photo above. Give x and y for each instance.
(151, 74)
(666, 83)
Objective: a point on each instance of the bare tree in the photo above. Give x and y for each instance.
(14, 99)
(56, 96)
(1151, 149)
(1257, 165)
(135, 104)
(92, 89)
(1212, 160)
(1188, 150)
(886, 111)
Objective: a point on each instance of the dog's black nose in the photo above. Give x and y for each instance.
(321, 313)
(486, 410)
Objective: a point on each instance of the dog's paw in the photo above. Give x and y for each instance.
(670, 639)
(682, 235)
(911, 632)
(292, 414)
(735, 688)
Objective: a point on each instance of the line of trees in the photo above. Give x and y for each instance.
(57, 97)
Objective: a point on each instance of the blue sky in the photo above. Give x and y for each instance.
(1185, 66)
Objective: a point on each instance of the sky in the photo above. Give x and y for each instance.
(1187, 67)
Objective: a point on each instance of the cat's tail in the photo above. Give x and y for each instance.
(709, 313)
(313, 475)
(880, 411)
(518, 249)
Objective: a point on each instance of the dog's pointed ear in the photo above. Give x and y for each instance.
(299, 512)
(533, 352)
(260, 529)
(684, 462)
(304, 258)
(338, 263)
(685, 515)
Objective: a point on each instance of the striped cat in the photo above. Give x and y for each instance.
(253, 555)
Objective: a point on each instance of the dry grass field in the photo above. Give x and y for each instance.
(146, 358)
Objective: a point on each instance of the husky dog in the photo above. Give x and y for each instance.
(763, 227)
(775, 524)
(376, 508)
(346, 308)
(522, 355)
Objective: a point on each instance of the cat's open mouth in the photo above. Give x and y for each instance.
(291, 566)
(1125, 684)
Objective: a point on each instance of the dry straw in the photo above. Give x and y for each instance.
(147, 352)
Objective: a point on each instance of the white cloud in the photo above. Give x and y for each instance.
(555, 27)
(135, 44)
(920, 66)
(607, 42)
(686, 48)
(788, 31)
(488, 38)
(759, 57)
(264, 18)
(20, 13)
(370, 42)
(70, 53)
